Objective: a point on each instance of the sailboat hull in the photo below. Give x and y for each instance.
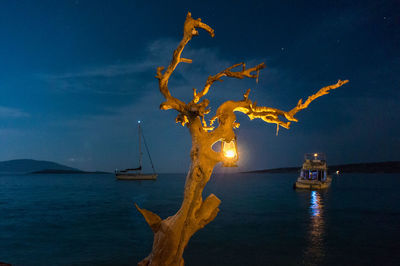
(135, 176)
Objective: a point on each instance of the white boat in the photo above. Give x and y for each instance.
(136, 173)
(314, 173)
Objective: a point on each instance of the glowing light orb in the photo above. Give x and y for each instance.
(229, 153)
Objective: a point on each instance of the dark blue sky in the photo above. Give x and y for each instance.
(75, 76)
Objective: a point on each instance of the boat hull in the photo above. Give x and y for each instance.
(135, 176)
(312, 184)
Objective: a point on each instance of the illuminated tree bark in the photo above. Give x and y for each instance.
(172, 234)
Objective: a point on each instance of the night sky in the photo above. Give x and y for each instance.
(76, 76)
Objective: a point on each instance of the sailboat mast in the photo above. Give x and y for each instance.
(148, 153)
(140, 148)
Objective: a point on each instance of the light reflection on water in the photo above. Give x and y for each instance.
(315, 251)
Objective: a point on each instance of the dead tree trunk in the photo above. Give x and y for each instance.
(172, 234)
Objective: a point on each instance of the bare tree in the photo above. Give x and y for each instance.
(172, 234)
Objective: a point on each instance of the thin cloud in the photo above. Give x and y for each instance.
(116, 79)
(107, 71)
(119, 79)
(7, 112)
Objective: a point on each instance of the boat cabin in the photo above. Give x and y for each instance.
(314, 167)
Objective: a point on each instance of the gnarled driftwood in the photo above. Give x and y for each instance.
(172, 234)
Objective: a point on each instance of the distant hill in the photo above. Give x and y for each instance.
(28, 166)
(381, 167)
(59, 171)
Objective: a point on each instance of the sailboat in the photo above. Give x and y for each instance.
(136, 173)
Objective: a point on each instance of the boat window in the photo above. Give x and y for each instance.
(313, 175)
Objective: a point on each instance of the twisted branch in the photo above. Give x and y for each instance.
(228, 73)
(226, 117)
(321, 92)
(189, 30)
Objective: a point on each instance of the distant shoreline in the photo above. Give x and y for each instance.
(30, 166)
(59, 171)
(381, 167)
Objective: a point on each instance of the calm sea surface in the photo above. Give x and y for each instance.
(91, 220)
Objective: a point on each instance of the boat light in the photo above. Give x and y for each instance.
(138, 121)
(229, 150)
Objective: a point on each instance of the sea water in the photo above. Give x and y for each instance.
(91, 220)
